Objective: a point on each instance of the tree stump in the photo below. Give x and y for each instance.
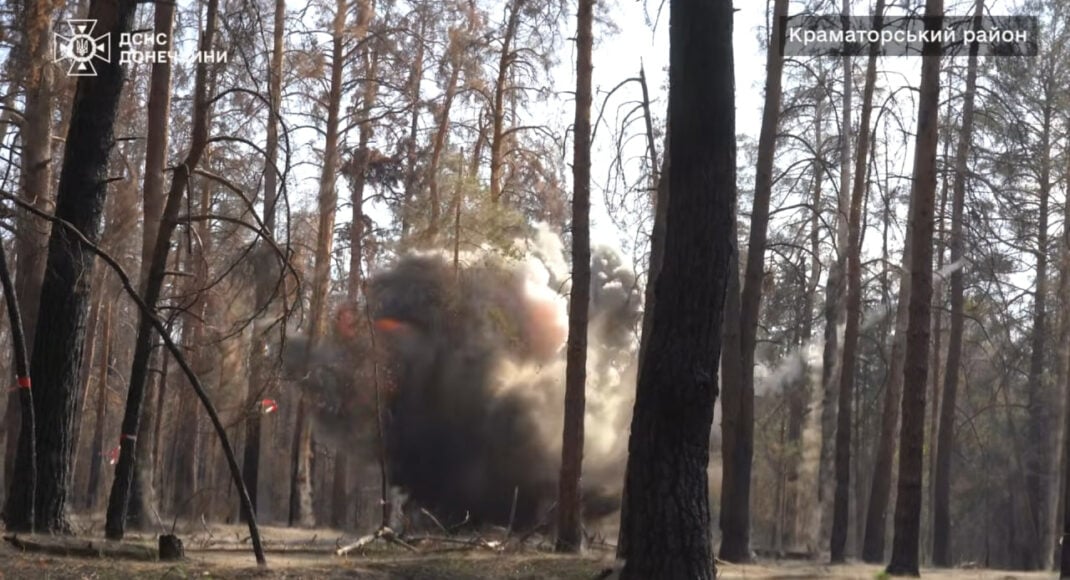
(171, 548)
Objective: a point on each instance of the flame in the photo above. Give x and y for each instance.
(390, 325)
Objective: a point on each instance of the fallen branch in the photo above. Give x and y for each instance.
(383, 533)
(476, 542)
(430, 515)
(194, 381)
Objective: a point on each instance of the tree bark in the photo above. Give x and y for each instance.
(905, 542)
(942, 556)
(455, 52)
(835, 309)
(841, 503)
(96, 456)
(31, 234)
(357, 168)
(301, 463)
(505, 61)
(65, 293)
(569, 496)
(1064, 363)
(804, 471)
(159, 104)
(261, 375)
(1037, 462)
(737, 406)
(410, 182)
(118, 502)
(881, 488)
(666, 519)
(197, 342)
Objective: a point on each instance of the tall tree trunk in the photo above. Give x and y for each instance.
(801, 523)
(946, 438)
(665, 528)
(261, 376)
(455, 51)
(301, 463)
(905, 542)
(1064, 364)
(355, 171)
(881, 487)
(31, 233)
(118, 501)
(196, 340)
(569, 498)
(65, 293)
(96, 456)
(1037, 466)
(657, 255)
(411, 176)
(854, 310)
(940, 244)
(505, 61)
(159, 108)
(358, 167)
(835, 309)
(737, 405)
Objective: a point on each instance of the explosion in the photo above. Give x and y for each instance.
(473, 365)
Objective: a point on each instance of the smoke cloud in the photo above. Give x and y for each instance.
(472, 375)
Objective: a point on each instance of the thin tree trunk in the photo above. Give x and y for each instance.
(1064, 364)
(21, 363)
(854, 311)
(737, 406)
(96, 456)
(196, 340)
(569, 498)
(505, 61)
(31, 234)
(438, 143)
(665, 528)
(118, 502)
(940, 244)
(880, 491)
(301, 463)
(261, 375)
(159, 105)
(357, 170)
(1037, 468)
(835, 309)
(942, 556)
(905, 541)
(410, 182)
(806, 470)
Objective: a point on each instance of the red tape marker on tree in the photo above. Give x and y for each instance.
(23, 383)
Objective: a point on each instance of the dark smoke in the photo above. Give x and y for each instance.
(472, 372)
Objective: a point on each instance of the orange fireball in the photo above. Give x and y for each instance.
(390, 325)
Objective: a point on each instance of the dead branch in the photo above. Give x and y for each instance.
(430, 515)
(383, 533)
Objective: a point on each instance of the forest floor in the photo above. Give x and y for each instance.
(223, 552)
